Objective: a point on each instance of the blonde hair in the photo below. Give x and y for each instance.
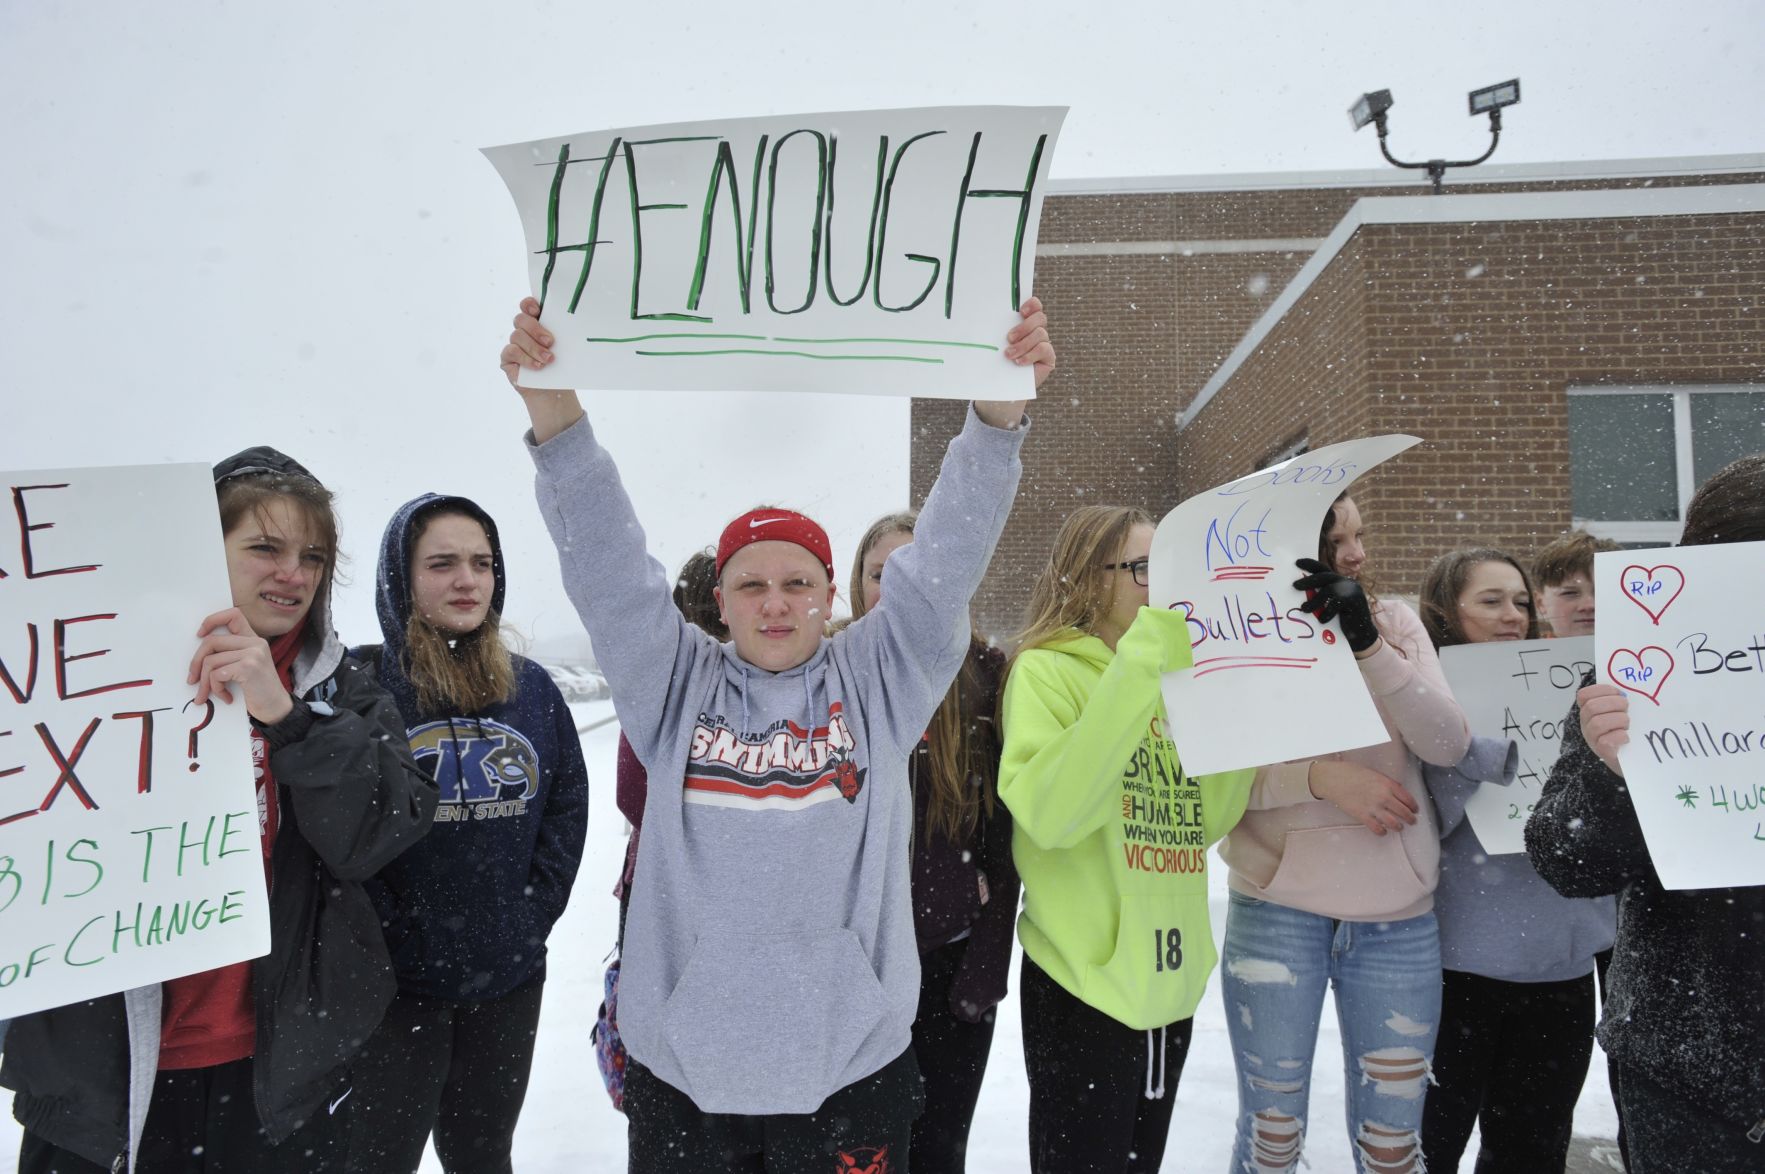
(1074, 590)
(963, 772)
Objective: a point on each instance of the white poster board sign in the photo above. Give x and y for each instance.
(879, 251)
(1523, 690)
(1269, 682)
(1683, 631)
(129, 848)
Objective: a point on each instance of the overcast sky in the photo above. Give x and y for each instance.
(237, 223)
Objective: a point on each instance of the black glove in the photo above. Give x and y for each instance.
(1338, 596)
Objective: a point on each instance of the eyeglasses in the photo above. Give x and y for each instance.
(1139, 567)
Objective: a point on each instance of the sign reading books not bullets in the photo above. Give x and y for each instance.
(1269, 683)
(881, 251)
(1523, 690)
(129, 826)
(1683, 631)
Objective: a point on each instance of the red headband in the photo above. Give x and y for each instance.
(775, 525)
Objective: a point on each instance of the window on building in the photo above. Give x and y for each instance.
(1288, 449)
(1637, 454)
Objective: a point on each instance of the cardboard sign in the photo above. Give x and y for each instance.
(1683, 631)
(129, 836)
(1269, 683)
(1523, 690)
(874, 251)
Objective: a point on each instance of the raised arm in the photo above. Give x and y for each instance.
(620, 592)
(1061, 770)
(913, 642)
(1489, 760)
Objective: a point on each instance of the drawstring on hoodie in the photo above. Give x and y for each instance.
(1155, 1054)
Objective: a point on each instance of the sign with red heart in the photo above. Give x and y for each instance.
(1693, 646)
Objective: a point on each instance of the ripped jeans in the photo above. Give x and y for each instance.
(1274, 968)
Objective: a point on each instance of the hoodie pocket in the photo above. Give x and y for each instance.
(786, 1011)
(1345, 872)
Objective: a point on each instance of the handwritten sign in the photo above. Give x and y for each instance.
(129, 845)
(874, 251)
(1269, 682)
(1682, 630)
(1523, 690)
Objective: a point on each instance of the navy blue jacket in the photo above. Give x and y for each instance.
(468, 910)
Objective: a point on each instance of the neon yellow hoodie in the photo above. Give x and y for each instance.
(1109, 835)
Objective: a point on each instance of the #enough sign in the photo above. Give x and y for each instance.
(873, 251)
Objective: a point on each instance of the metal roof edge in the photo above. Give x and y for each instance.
(1588, 169)
(1607, 204)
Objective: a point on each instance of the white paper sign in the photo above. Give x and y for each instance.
(1523, 690)
(129, 848)
(1683, 630)
(871, 251)
(1269, 683)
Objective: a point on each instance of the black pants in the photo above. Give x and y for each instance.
(864, 1127)
(1671, 1135)
(459, 1069)
(204, 1121)
(1602, 962)
(1511, 1058)
(1089, 1075)
(952, 1055)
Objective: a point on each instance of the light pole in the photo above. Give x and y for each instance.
(1374, 107)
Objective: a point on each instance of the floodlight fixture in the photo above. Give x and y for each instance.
(1370, 108)
(1374, 105)
(1492, 98)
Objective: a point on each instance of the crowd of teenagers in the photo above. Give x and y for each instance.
(837, 828)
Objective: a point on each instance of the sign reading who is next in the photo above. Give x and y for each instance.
(872, 251)
(1682, 630)
(129, 827)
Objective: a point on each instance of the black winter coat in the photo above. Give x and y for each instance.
(351, 799)
(1685, 1003)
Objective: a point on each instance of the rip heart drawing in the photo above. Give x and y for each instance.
(1652, 588)
(1641, 671)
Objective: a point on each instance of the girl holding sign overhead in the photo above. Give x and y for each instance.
(770, 975)
(1687, 995)
(467, 912)
(246, 1068)
(1517, 1002)
(1110, 837)
(1333, 873)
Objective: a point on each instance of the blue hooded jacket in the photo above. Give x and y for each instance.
(468, 910)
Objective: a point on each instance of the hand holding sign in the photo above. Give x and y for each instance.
(1605, 722)
(232, 654)
(1330, 596)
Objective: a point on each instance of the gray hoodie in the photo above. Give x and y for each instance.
(770, 957)
(1498, 917)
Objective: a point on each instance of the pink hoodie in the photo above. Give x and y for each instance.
(1309, 854)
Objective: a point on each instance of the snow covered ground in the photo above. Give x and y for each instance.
(569, 1127)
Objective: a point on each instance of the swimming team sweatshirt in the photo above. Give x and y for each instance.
(1109, 833)
(770, 956)
(1309, 854)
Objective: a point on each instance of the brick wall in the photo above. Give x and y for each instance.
(1465, 335)
(1472, 335)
